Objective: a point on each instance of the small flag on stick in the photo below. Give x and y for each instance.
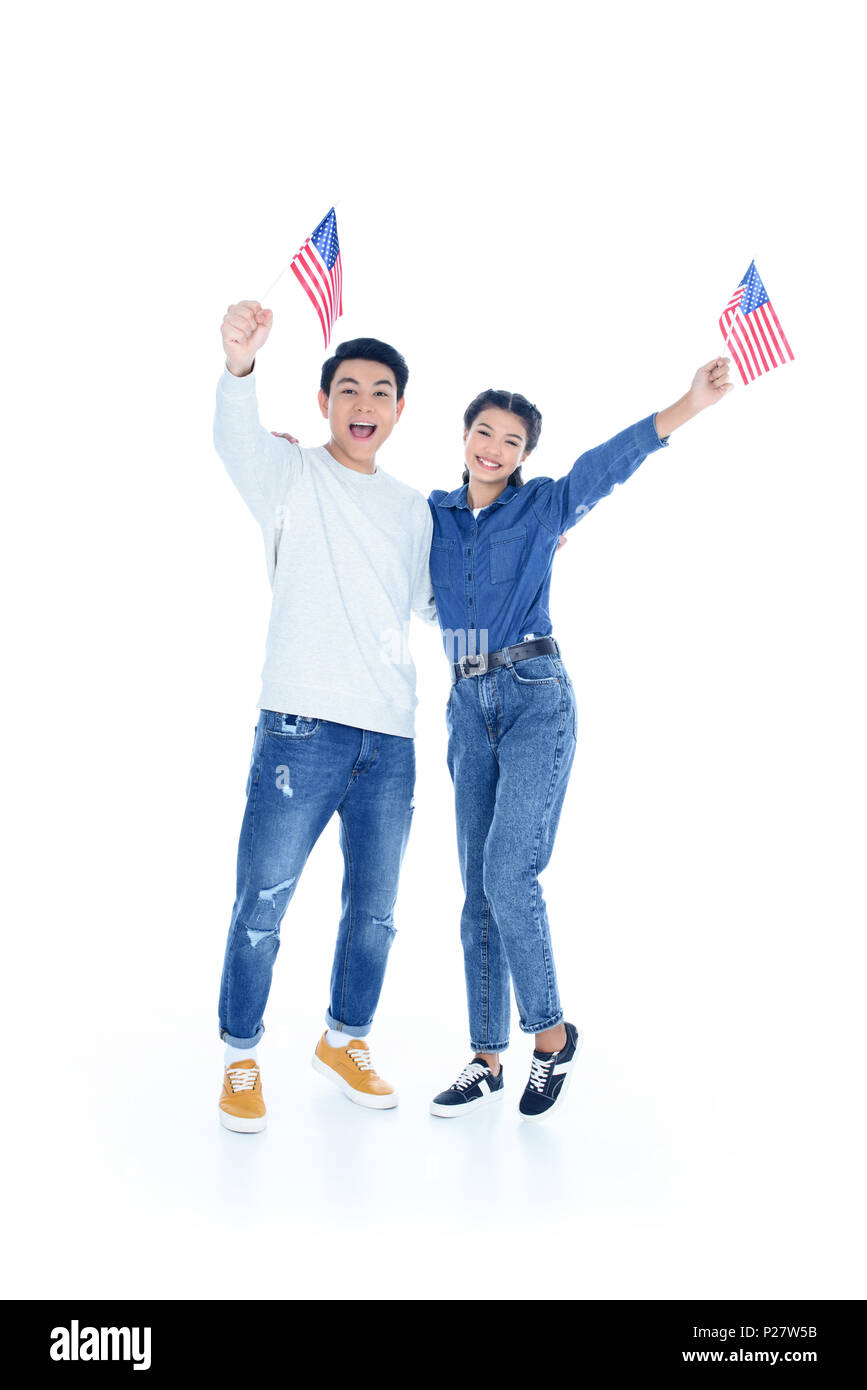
(752, 330)
(318, 269)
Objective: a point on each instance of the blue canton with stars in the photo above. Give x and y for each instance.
(755, 293)
(325, 239)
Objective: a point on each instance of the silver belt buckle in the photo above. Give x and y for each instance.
(479, 664)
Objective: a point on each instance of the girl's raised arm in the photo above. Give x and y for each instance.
(561, 502)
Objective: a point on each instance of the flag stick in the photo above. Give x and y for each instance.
(270, 287)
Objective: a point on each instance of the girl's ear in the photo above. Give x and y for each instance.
(466, 435)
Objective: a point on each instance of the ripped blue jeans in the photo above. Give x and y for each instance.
(301, 773)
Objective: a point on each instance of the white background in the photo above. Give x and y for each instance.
(553, 199)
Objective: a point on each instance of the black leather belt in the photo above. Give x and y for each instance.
(489, 661)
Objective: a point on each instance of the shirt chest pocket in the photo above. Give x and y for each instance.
(441, 563)
(508, 555)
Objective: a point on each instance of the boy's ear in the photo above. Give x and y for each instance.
(323, 404)
(399, 409)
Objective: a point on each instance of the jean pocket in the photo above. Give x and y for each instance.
(536, 670)
(280, 725)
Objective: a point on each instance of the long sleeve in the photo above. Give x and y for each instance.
(261, 466)
(559, 503)
(423, 604)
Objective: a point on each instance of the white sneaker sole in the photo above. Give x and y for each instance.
(561, 1094)
(453, 1112)
(241, 1126)
(357, 1097)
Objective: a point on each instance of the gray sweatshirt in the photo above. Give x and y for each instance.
(348, 560)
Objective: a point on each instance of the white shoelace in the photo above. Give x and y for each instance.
(361, 1058)
(472, 1072)
(242, 1078)
(539, 1073)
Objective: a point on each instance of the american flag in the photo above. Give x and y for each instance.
(318, 269)
(752, 329)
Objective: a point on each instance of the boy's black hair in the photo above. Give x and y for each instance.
(370, 350)
(516, 404)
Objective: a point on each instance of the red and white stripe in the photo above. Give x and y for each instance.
(323, 287)
(756, 340)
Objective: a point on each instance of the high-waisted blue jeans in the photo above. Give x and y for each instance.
(301, 772)
(512, 734)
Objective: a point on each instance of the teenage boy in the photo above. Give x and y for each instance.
(347, 550)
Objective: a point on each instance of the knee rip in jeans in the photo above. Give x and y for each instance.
(269, 909)
(386, 922)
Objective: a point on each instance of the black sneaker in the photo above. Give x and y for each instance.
(550, 1074)
(476, 1086)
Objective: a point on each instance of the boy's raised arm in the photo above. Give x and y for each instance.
(261, 466)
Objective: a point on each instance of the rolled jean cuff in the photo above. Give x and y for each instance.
(489, 1047)
(341, 1026)
(242, 1042)
(542, 1027)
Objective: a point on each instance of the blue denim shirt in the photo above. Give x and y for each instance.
(491, 574)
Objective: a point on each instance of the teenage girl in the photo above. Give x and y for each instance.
(511, 717)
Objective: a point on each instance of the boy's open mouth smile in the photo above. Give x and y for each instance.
(486, 463)
(362, 429)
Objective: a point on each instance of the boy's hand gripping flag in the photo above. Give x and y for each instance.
(752, 329)
(318, 270)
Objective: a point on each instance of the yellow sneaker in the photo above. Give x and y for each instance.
(241, 1105)
(350, 1068)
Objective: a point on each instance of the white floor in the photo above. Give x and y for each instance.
(660, 1178)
